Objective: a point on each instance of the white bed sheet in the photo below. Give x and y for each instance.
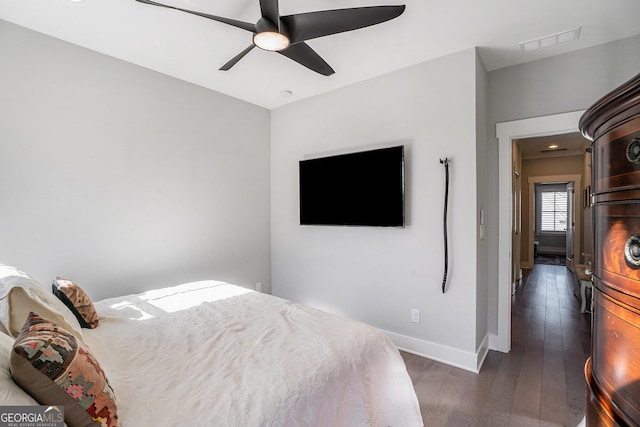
(214, 354)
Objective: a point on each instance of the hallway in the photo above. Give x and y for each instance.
(539, 383)
(553, 338)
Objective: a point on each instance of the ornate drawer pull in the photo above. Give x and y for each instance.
(633, 151)
(632, 250)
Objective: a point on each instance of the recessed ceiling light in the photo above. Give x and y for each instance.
(552, 146)
(76, 1)
(550, 40)
(286, 93)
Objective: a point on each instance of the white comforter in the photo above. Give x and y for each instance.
(214, 354)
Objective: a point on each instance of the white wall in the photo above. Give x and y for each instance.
(377, 275)
(122, 178)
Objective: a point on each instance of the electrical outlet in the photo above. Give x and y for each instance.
(415, 315)
(259, 286)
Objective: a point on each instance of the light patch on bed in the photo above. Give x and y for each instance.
(188, 295)
(136, 312)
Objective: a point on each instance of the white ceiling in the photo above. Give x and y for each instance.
(193, 49)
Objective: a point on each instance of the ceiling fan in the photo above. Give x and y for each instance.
(287, 34)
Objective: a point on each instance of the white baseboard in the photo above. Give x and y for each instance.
(493, 342)
(469, 361)
(482, 352)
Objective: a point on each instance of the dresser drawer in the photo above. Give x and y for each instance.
(615, 351)
(616, 161)
(617, 244)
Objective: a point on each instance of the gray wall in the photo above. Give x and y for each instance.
(563, 83)
(124, 179)
(482, 189)
(377, 275)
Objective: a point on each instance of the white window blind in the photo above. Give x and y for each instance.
(553, 211)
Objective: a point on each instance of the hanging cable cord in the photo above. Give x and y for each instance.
(445, 162)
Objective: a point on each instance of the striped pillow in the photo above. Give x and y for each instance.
(77, 300)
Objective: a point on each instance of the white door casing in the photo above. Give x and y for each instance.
(506, 132)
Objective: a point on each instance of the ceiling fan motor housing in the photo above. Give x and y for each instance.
(269, 37)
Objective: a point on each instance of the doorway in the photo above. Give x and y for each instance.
(563, 236)
(507, 132)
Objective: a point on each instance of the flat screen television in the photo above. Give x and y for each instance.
(361, 189)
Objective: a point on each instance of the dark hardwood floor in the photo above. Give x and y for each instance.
(539, 383)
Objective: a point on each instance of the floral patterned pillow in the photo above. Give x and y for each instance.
(56, 369)
(77, 300)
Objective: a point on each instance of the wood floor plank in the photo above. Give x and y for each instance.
(539, 383)
(554, 402)
(526, 401)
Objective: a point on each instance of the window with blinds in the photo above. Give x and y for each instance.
(553, 211)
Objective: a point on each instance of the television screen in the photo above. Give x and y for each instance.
(364, 188)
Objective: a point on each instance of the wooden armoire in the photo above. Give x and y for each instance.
(613, 370)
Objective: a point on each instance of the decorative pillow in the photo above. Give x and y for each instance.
(10, 392)
(77, 300)
(56, 369)
(19, 295)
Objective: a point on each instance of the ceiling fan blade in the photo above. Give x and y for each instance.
(305, 26)
(304, 55)
(269, 10)
(235, 59)
(239, 24)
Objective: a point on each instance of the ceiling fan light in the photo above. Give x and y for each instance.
(271, 40)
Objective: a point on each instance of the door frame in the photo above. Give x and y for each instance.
(506, 132)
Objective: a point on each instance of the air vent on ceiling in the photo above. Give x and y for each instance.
(550, 40)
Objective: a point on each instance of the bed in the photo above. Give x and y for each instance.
(217, 354)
